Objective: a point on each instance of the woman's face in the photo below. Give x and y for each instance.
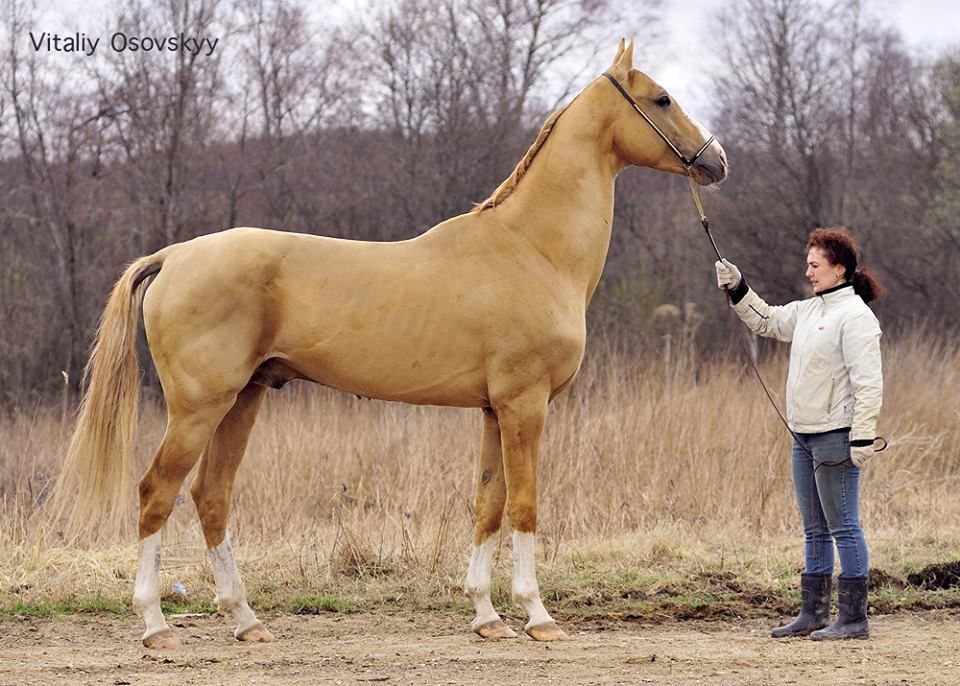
(821, 273)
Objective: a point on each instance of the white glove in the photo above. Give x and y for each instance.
(728, 276)
(861, 454)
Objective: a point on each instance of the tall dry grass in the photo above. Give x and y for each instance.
(651, 464)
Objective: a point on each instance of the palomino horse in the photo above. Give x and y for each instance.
(484, 310)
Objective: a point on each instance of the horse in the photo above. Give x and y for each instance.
(485, 310)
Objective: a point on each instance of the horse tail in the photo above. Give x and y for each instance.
(92, 496)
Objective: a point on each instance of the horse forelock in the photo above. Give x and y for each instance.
(509, 185)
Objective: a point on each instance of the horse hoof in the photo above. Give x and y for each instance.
(255, 634)
(495, 629)
(548, 631)
(164, 639)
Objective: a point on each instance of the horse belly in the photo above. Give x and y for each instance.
(391, 368)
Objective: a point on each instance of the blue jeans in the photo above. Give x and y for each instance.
(829, 499)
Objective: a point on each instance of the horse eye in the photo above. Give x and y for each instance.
(663, 101)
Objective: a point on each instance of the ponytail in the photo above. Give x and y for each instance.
(867, 285)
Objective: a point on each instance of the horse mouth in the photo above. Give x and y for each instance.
(706, 174)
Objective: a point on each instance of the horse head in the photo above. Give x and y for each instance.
(651, 130)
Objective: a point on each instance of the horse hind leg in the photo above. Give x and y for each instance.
(211, 491)
(491, 496)
(187, 434)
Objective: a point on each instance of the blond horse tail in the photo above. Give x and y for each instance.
(92, 498)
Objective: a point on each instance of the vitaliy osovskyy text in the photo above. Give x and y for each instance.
(122, 42)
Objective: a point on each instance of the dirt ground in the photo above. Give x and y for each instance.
(912, 649)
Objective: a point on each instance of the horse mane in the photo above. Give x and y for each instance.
(510, 183)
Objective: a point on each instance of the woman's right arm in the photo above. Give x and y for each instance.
(774, 321)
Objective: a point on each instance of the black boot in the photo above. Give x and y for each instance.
(814, 607)
(852, 622)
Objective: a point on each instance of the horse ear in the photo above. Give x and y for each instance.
(623, 62)
(616, 57)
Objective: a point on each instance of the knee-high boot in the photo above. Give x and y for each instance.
(814, 607)
(852, 622)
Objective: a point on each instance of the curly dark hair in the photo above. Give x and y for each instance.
(838, 247)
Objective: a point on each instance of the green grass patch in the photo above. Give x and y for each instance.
(72, 606)
(183, 608)
(315, 605)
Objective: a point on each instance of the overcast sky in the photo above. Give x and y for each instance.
(928, 26)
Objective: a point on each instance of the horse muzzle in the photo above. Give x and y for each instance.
(711, 167)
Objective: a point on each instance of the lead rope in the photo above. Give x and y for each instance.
(703, 217)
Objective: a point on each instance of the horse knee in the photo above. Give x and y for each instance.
(523, 519)
(489, 512)
(205, 502)
(156, 502)
(145, 489)
(522, 510)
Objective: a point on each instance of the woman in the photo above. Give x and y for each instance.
(834, 392)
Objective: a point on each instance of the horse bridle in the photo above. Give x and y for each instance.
(687, 162)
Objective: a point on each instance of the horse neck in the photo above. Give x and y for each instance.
(564, 203)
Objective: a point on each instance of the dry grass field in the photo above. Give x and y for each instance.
(664, 493)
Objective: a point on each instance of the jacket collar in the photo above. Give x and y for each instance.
(838, 292)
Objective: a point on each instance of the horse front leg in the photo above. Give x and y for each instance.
(490, 500)
(521, 426)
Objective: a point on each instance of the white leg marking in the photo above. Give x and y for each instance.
(231, 595)
(477, 585)
(146, 592)
(526, 591)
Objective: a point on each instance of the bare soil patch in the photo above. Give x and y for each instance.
(432, 648)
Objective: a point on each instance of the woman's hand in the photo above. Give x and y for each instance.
(861, 454)
(728, 276)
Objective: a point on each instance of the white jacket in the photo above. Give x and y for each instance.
(835, 379)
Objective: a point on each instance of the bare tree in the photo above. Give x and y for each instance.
(58, 136)
(924, 244)
(161, 105)
(293, 67)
